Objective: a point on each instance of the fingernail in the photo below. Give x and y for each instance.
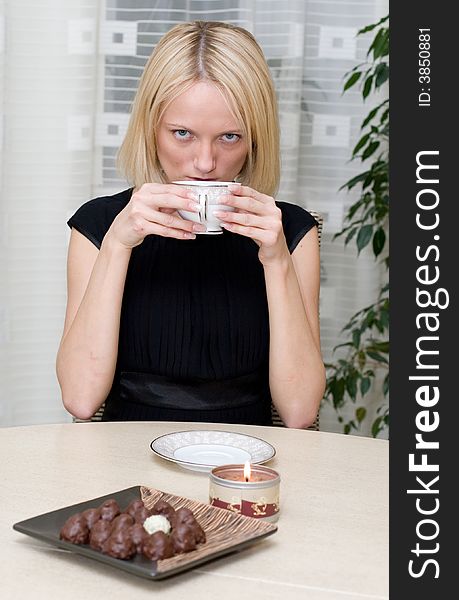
(199, 227)
(234, 187)
(195, 206)
(189, 236)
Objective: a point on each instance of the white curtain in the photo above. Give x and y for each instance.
(69, 70)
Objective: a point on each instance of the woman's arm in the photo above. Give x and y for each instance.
(88, 351)
(296, 369)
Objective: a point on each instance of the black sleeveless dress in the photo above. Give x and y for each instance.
(194, 332)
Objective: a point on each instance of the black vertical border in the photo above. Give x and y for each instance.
(414, 129)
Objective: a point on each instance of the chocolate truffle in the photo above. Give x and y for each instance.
(109, 510)
(185, 516)
(133, 507)
(138, 536)
(141, 514)
(75, 530)
(163, 508)
(184, 538)
(120, 544)
(92, 515)
(122, 521)
(99, 534)
(158, 546)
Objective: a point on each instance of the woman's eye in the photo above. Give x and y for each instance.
(181, 134)
(231, 137)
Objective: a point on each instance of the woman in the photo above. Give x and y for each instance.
(164, 324)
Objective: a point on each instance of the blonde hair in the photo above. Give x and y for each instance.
(227, 56)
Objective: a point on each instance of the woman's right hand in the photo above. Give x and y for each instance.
(152, 209)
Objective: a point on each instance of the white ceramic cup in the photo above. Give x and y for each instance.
(207, 194)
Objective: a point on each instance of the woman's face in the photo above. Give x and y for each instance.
(198, 138)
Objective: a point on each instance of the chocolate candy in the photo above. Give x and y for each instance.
(120, 544)
(138, 536)
(158, 546)
(109, 510)
(163, 508)
(92, 515)
(141, 514)
(75, 530)
(99, 534)
(185, 516)
(122, 521)
(184, 538)
(133, 507)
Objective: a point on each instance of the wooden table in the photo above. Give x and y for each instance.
(332, 541)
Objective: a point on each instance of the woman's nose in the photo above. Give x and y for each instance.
(204, 160)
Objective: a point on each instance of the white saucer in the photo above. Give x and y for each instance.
(202, 450)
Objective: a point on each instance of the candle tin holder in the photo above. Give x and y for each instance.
(257, 498)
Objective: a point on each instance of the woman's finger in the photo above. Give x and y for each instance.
(153, 228)
(175, 221)
(165, 196)
(244, 218)
(244, 203)
(245, 190)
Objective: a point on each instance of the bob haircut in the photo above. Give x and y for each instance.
(229, 57)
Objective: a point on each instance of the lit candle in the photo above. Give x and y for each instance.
(251, 490)
(247, 470)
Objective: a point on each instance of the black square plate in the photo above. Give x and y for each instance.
(226, 532)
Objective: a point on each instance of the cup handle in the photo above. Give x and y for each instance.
(203, 200)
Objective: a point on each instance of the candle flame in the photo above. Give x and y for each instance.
(247, 470)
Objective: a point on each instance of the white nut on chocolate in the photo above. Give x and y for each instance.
(157, 523)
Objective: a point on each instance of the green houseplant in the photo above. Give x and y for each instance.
(363, 365)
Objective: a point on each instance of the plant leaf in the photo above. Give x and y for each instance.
(379, 347)
(350, 235)
(360, 413)
(370, 149)
(363, 140)
(371, 27)
(365, 385)
(356, 338)
(364, 236)
(381, 74)
(375, 43)
(352, 80)
(381, 44)
(376, 427)
(371, 115)
(367, 86)
(377, 356)
(355, 180)
(386, 385)
(379, 239)
(351, 385)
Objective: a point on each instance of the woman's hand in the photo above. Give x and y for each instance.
(152, 209)
(256, 216)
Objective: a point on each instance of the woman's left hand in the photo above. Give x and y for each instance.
(255, 216)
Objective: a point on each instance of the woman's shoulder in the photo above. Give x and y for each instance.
(106, 205)
(296, 222)
(94, 217)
